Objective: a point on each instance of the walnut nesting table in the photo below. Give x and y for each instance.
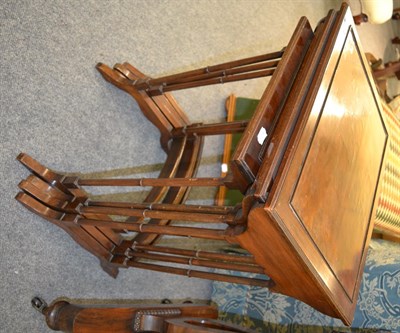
(312, 225)
(308, 164)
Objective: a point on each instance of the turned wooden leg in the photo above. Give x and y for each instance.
(66, 317)
(60, 315)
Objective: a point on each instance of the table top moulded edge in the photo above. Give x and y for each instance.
(277, 246)
(246, 158)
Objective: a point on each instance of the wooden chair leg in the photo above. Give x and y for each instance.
(230, 71)
(193, 261)
(176, 115)
(207, 233)
(195, 325)
(58, 200)
(214, 260)
(96, 242)
(190, 272)
(48, 187)
(91, 239)
(42, 172)
(195, 254)
(143, 182)
(163, 112)
(211, 129)
(203, 217)
(217, 80)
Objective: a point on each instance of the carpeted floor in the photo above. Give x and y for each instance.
(57, 108)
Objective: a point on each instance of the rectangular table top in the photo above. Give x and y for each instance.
(312, 228)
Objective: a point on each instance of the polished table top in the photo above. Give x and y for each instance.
(311, 231)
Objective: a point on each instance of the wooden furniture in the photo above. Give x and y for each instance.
(387, 219)
(374, 12)
(62, 200)
(308, 165)
(317, 204)
(130, 318)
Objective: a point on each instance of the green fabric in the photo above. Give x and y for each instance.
(244, 110)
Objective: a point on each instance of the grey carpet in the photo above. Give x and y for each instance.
(56, 107)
